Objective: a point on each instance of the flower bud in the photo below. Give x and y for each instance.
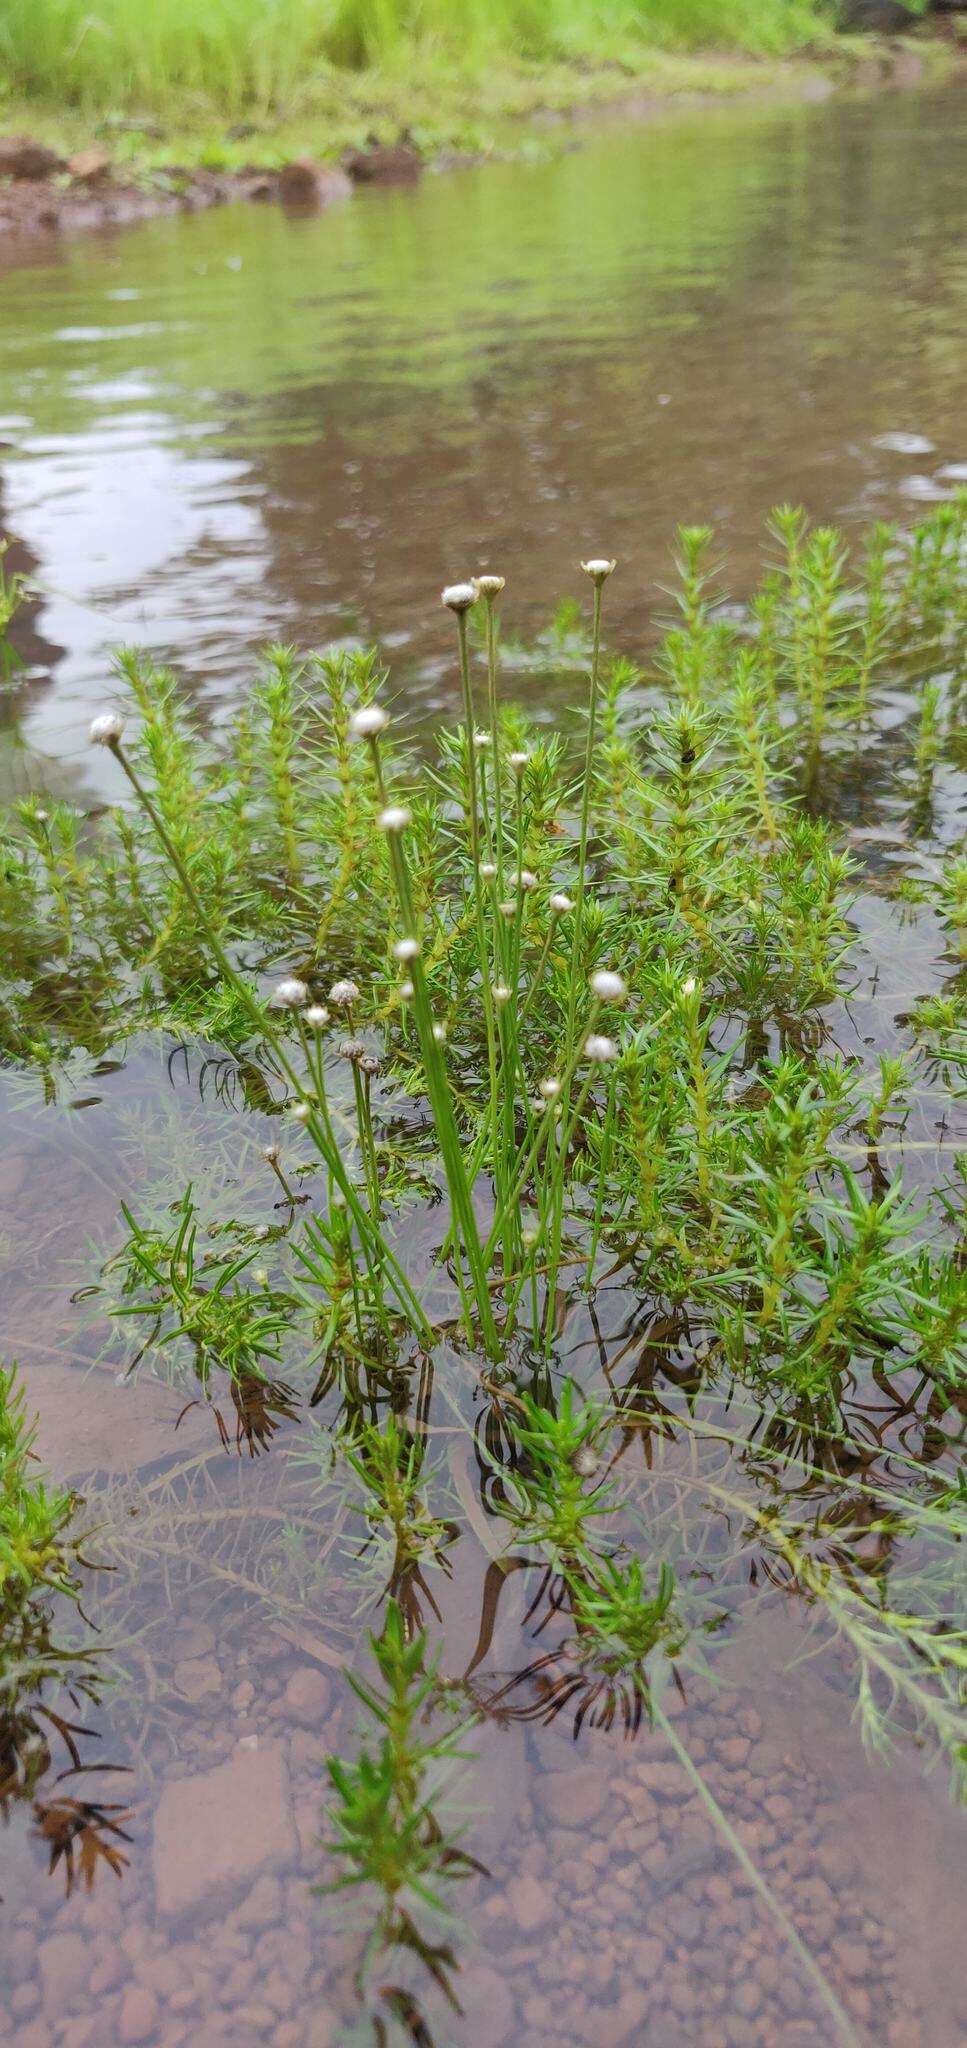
(489, 586)
(105, 730)
(368, 722)
(559, 903)
(289, 994)
(343, 994)
(317, 1016)
(406, 949)
(598, 569)
(608, 987)
(599, 1048)
(395, 818)
(501, 993)
(458, 597)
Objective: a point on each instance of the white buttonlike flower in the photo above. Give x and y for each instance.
(525, 880)
(559, 903)
(352, 1049)
(597, 1047)
(407, 991)
(608, 987)
(458, 597)
(489, 586)
(482, 740)
(406, 949)
(688, 987)
(598, 569)
(368, 1064)
(501, 993)
(317, 1016)
(508, 908)
(518, 761)
(440, 1033)
(487, 871)
(41, 815)
(550, 1089)
(530, 1236)
(289, 994)
(395, 818)
(343, 994)
(368, 722)
(271, 1153)
(585, 1461)
(105, 730)
(302, 1111)
(261, 1274)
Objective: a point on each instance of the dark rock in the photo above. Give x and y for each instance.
(307, 183)
(876, 17)
(384, 163)
(22, 157)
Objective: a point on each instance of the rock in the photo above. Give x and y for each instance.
(22, 157)
(306, 1697)
(530, 1903)
(197, 1678)
(90, 167)
(65, 1961)
(575, 1797)
(217, 1831)
(875, 17)
(384, 163)
(89, 1422)
(263, 1906)
(24, 2000)
(625, 2021)
(308, 183)
(138, 2017)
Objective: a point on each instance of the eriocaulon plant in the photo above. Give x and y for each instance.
(502, 935)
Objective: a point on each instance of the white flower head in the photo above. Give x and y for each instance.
(105, 730)
(41, 815)
(608, 987)
(407, 991)
(585, 1461)
(525, 880)
(458, 597)
(261, 1274)
(518, 760)
(317, 1016)
(406, 949)
(368, 1064)
(598, 569)
(487, 871)
(289, 994)
(440, 1033)
(489, 586)
(530, 1236)
(559, 904)
(343, 994)
(395, 818)
(302, 1111)
(501, 993)
(508, 908)
(550, 1088)
(598, 1048)
(482, 740)
(688, 987)
(271, 1154)
(352, 1049)
(368, 722)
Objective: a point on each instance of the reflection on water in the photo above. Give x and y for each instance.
(239, 427)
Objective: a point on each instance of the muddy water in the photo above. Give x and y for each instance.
(244, 426)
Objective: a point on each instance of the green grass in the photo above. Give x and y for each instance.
(277, 56)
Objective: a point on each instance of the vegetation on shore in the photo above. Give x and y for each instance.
(235, 86)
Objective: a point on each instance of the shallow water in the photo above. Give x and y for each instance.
(240, 426)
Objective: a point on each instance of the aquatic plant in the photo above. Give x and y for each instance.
(586, 1221)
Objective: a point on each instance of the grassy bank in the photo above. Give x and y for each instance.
(240, 56)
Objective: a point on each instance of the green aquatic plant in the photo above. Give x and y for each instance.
(391, 1831)
(35, 1517)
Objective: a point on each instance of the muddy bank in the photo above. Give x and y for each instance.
(43, 194)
